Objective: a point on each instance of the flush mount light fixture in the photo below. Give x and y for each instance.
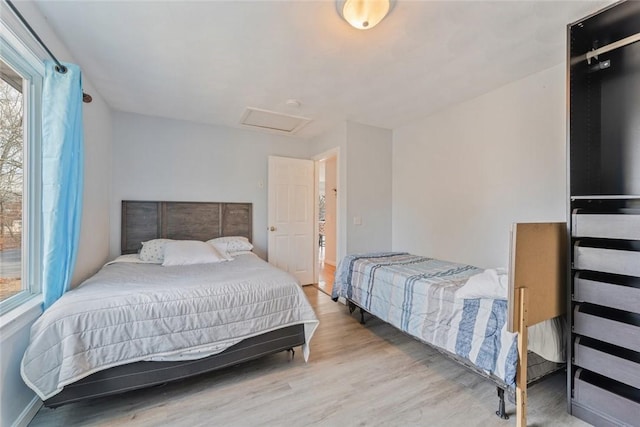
(363, 14)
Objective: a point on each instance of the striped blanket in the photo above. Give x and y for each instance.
(417, 295)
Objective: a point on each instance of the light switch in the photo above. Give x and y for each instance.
(357, 220)
(261, 184)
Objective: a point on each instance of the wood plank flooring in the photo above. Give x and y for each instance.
(326, 277)
(370, 375)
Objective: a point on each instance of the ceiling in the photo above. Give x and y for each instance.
(206, 61)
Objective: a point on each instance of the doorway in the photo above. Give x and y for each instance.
(327, 185)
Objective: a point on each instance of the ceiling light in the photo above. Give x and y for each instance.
(363, 14)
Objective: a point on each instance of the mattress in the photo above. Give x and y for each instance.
(130, 312)
(418, 296)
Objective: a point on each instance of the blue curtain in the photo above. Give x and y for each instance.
(62, 177)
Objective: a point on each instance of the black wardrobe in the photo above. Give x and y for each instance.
(604, 202)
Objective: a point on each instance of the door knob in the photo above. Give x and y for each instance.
(272, 228)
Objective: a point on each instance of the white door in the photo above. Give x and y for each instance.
(290, 217)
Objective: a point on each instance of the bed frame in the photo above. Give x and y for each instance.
(537, 292)
(142, 221)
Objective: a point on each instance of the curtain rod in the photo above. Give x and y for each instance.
(59, 67)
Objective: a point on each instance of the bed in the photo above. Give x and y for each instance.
(472, 315)
(137, 323)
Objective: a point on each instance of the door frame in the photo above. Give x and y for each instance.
(333, 152)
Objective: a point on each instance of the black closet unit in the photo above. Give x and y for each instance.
(603, 68)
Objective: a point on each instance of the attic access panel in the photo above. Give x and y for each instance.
(272, 121)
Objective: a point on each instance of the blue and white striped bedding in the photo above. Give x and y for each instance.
(417, 295)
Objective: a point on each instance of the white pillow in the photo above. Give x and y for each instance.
(188, 252)
(231, 245)
(491, 284)
(153, 250)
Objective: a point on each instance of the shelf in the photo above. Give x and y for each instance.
(608, 360)
(603, 160)
(619, 292)
(606, 396)
(614, 259)
(615, 327)
(622, 225)
(607, 197)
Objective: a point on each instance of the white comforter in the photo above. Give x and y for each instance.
(131, 312)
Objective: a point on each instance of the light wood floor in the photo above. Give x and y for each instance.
(357, 375)
(326, 277)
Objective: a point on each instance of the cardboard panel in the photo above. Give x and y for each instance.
(539, 264)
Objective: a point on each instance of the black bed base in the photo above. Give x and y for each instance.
(537, 367)
(138, 375)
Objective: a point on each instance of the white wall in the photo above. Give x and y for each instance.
(364, 185)
(463, 175)
(18, 402)
(163, 159)
(369, 182)
(15, 396)
(93, 251)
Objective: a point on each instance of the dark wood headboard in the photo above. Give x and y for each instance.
(142, 221)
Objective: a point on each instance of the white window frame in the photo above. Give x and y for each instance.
(31, 68)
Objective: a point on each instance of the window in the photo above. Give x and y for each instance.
(20, 171)
(11, 181)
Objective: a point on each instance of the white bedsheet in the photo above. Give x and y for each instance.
(130, 312)
(547, 339)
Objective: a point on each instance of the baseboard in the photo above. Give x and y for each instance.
(28, 413)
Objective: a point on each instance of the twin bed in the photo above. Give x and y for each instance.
(137, 323)
(479, 318)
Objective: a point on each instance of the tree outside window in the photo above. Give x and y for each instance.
(11, 182)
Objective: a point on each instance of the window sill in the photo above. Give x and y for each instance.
(20, 316)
